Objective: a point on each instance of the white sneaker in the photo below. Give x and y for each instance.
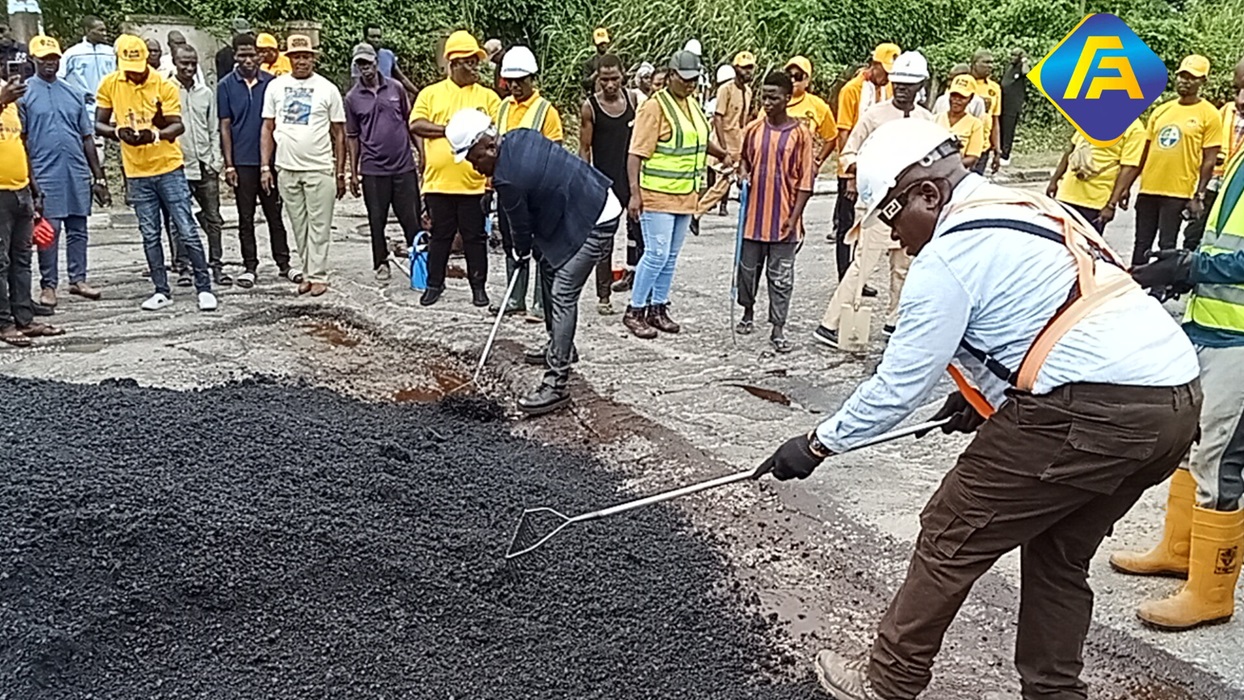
(842, 678)
(1006, 162)
(207, 301)
(156, 302)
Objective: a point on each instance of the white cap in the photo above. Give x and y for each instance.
(465, 129)
(909, 68)
(892, 148)
(693, 45)
(518, 62)
(725, 74)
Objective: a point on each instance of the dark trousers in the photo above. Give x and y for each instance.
(1093, 216)
(380, 192)
(844, 219)
(634, 242)
(1158, 217)
(207, 193)
(1050, 475)
(17, 222)
(1009, 121)
(561, 287)
(604, 267)
(983, 162)
(1195, 230)
(247, 192)
(454, 214)
(778, 262)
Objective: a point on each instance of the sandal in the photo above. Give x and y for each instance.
(40, 330)
(13, 336)
(246, 280)
(781, 344)
(744, 328)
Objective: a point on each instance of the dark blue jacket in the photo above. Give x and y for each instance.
(550, 197)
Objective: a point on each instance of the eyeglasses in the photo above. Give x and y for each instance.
(888, 211)
(797, 75)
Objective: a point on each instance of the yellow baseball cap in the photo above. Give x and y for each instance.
(43, 46)
(266, 41)
(600, 36)
(885, 55)
(461, 44)
(1196, 65)
(131, 54)
(801, 63)
(298, 43)
(963, 85)
(744, 59)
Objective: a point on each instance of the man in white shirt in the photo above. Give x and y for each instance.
(168, 59)
(86, 63)
(1100, 402)
(304, 128)
(200, 147)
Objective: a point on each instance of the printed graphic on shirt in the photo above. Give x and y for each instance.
(296, 106)
(1169, 136)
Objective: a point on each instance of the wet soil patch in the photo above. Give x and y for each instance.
(267, 540)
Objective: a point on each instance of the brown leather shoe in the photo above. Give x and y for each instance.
(47, 297)
(636, 321)
(304, 287)
(84, 290)
(318, 289)
(659, 318)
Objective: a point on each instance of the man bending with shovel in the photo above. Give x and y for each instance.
(559, 207)
(1097, 400)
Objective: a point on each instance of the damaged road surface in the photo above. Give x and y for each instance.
(270, 540)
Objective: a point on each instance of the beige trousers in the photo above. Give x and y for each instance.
(715, 193)
(873, 243)
(309, 197)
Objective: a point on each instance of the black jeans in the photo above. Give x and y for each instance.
(17, 221)
(380, 192)
(1009, 123)
(247, 191)
(207, 193)
(778, 261)
(454, 214)
(844, 219)
(1195, 230)
(634, 242)
(1090, 215)
(604, 267)
(561, 287)
(1156, 216)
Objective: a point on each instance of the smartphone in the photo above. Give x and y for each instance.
(19, 69)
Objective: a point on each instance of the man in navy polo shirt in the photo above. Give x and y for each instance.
(377, 109)
(239, 102)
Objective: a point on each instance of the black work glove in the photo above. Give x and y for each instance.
(963, 418)
(793, 460)
(126, 135)
(1170, 268)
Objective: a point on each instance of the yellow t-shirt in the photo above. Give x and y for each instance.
(14, 174)
(1232, 137)
(135, 106)
(280, 66)
(552, 127)
(815, 115)
(991, 93)
(969, 129)
(1177, 136)
(437, 103)
(1091, 188)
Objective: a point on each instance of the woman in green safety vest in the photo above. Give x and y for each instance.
(669, 149)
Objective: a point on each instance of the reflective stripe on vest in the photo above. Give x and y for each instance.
(678, 163)
(533, 118)
(1221, 306)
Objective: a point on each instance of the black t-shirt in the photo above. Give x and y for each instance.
(1014, 88)
(224, 62)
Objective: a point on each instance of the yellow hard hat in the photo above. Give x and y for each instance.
(461, 44)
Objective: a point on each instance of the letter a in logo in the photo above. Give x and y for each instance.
(1101, 76)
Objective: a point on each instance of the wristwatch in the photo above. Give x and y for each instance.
(100, 181)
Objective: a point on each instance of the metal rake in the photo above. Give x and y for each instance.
(539, 525)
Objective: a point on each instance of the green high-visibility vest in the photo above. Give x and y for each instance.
(532, 119)
(677, 166)
(1221, 306)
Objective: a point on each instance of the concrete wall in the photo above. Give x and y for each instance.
(158, 26)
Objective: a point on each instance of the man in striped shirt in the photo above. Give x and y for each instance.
(779, 164)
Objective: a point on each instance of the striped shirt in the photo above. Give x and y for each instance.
(780, 161)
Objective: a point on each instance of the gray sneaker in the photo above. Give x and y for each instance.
(843, 679)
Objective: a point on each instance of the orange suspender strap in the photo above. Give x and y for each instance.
(974, 396)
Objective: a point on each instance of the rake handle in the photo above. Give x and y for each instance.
(492, 337)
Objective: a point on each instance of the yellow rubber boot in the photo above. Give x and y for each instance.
(1208, 598)
(1170, 556)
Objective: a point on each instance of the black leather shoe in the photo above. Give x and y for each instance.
(431, 295)
(540, 356)
(869, 291)
(545, 399)
(479, 297)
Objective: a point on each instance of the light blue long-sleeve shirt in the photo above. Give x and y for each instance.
(997, 288)
(84, 65)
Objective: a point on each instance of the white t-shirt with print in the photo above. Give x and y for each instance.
(303, 111)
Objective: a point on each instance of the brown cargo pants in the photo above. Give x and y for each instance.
(1048, 474)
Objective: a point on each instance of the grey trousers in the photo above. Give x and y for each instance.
(561, 287)
(778, 261)
(1217, 461)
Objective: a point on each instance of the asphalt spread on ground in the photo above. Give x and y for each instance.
(268, 540)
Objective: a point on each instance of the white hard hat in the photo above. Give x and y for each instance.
(693, 45)
(465, 129)
(518, 62)
(891, 149)
(725, 74)
(910, 67)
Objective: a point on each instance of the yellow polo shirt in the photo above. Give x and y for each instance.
(135, 106)
(1092, 188)
(1178, 137)
(969, 129)
(280, 66)
(991, 93)
(437, 103)
(552, 127)
(14, 174)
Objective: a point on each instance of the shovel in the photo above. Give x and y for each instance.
(539, 525)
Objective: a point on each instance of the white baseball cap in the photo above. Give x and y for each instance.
(909, 68)
(465, 129)
(725, 74)
(893, 148)
(693, 45)
(518, 62)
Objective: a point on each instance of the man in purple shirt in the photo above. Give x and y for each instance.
(377, 110)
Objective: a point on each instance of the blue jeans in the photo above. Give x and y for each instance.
(654, 275)
(75, 252)
(150, 196)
